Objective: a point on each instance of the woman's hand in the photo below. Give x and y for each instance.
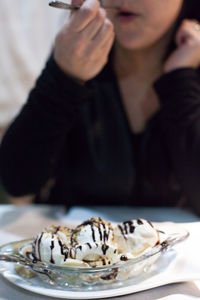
(83, 45)
(187, 53)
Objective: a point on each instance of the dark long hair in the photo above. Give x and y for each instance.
(190, 10)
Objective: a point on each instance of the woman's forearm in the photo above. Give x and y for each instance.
(32, 146)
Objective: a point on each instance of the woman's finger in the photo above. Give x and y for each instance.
(187, 32)
(84, 15)
(95, 25)
(101, 43)
(107, 44)
(106, 30)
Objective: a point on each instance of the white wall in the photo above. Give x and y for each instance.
(27, 31)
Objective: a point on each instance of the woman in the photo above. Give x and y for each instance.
(115, 116)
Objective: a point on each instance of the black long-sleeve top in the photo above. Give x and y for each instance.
(72, 144)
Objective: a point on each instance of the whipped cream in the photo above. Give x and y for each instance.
(94, 230)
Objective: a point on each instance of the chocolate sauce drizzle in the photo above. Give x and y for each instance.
(105, 234)
(52, 247)
(125, 227)
(89, 245)
(104, 248)
(93, 232)
(122, 231)
(63, 249)
(140, 222)
(150, 224)
(129, 227)
(57, 229)
(34, 260)
(123, 258)
(30, 255)
(100, 233)
(39, 242)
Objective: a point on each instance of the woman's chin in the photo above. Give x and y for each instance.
(129, 42)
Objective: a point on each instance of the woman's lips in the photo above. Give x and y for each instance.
(125, 16)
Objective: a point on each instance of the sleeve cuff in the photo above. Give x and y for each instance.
(67, 84)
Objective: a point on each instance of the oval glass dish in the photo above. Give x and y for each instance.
(91, 278)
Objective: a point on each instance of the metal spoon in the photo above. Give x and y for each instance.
(63, 5)
(20, 259)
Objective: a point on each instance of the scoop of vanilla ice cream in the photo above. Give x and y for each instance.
(94, 230)
(135, 236)
(92, 241)
(52, 245)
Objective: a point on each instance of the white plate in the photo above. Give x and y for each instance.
(166, 270)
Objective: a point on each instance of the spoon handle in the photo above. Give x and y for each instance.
(60, 4)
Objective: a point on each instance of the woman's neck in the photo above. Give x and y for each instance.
(136, 71)
(141, 64)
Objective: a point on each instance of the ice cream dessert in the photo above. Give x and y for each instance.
(92, 241)
(95, 242)
(135, 236)
(52, 244)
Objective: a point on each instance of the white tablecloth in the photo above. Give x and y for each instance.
(18, 223)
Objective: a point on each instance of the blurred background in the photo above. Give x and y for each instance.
(27, 32)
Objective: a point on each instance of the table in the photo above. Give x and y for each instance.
(22, 222)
